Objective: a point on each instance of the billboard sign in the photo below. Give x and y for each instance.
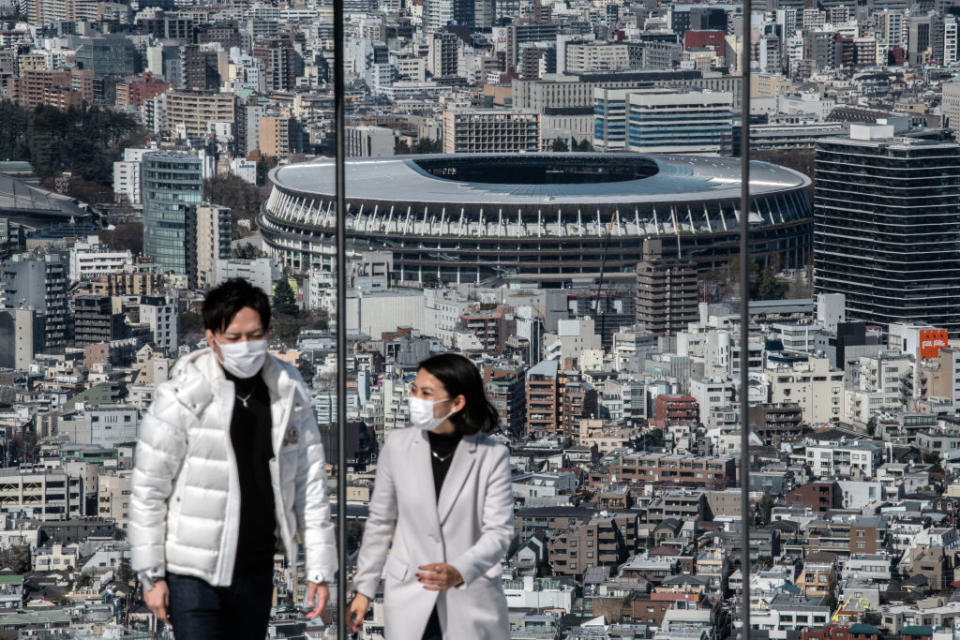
(931, 341)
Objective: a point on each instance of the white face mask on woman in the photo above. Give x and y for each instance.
(421, 413)
(243, 359)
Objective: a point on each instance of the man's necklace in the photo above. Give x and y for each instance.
(244, 399)
(441, 458)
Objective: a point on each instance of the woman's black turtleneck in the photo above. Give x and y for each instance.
(442, 447)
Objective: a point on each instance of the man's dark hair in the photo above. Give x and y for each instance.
(225, 300)
(459, 376)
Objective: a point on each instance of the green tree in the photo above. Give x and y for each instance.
(584, 145)
(559, 144)
(766, 507)
(400, 147)
(128, 235)
(426, 145)
(16, 558)
(768, 287)
(284, 300)
(264, 166)
(240, 196)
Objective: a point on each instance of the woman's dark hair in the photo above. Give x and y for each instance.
(225, 300)
(459, 376)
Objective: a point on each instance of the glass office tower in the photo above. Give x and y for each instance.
(172, 185)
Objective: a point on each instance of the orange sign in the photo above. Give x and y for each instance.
(931, 341)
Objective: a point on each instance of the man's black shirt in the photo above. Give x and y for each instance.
(250, 429)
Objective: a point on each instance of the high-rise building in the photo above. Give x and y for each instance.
(543, 398)
(666, 294)
(96, 320)
(172, 185)
(38, 282)
(490, 130)
(951, 40)
(442, 55)
(281, 63)
(200, 69)
(886, 210)
(21, 336)
(192, 112)
(213, 240)
(925, 39)
(109, 55)
(275, 136)
(161, 315)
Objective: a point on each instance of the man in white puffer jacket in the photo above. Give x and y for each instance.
(228, 469)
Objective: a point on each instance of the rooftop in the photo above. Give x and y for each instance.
(538, 178)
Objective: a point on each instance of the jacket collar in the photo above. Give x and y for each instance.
(205, 362)
(464, 457)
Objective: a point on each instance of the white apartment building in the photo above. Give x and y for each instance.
(126, 175)
(161, 314)
(258, 272)
(442, 309)
(831, 459)
(598, 57)
(89, 260)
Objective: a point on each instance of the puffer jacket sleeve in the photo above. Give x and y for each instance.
(313, 503)
(160, 452)
(497, 528)
(381, 522)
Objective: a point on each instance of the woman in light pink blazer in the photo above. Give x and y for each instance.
(443, 496)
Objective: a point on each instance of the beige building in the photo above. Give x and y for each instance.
(951, 107)
(193, 111)
(813, 385)
(213, 240)
(114, 498)
(274, 136)
(490, 131)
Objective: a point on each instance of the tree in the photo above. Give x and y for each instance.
(584, 145)
(766, 507)
(234, 192)
(128, 235)
(16, 558)
(426, 145)
(768, 288)
(264, 165)
(559, 144)
(284, 300)
(400, 147)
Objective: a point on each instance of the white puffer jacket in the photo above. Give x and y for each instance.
(185, 502)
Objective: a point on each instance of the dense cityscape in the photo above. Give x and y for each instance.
(551, 188)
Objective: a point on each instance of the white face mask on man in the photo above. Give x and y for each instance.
(421, 413)
(243, 359)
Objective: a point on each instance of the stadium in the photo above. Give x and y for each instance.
(535, 217)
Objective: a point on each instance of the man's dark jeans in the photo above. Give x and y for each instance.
(203, 612)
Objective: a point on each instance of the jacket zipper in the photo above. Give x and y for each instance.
(231, 534)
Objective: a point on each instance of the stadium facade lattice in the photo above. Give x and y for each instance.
(535, 216)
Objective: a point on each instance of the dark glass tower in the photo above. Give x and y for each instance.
(886, 229)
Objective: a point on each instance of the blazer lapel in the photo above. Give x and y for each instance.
(463, 460)
(420, 472)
